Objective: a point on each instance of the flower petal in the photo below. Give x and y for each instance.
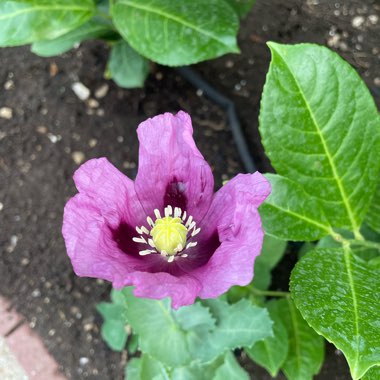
(90, 243)
(182, 290)
(171, 168)
(234, 215)
(113, 192)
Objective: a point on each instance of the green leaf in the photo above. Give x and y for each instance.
(372, 374)
(271, 253)
(373, 216)
(242, 7)
(290, 213)
(338, 295)
(61, 44)
(203, 339)
(26, 21)
(126, 67)
(113, 329)
(133, 369)
(271, 352)
(320, 128)
(306, 348)
(238, 325)
(230, 369)
(176, 33)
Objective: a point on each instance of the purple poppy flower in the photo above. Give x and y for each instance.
(166, 233)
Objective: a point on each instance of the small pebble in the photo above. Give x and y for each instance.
(1, 206)
(80, 90)
(25, 261)
(376, 81)
(53, 69)
(373, 19)
(84, 361)
(54, 138)
(36, 293)
(120, 139)
(358, 21)
(9, 84)
(101, 91)
(92, 143)
(93, 103)
(6, 113)
(41, 129)
(78, 157)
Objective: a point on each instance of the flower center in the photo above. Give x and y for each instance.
(170, 234)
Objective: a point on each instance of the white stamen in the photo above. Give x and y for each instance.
(177, 212)
(139, 240)
(164, 253)
(184, 216)
(189, 221)
(179, 248)
(145, 230)
(191, 225)
(142, 230)
(168, 210)
(151, 243)
(195, 232)
(184, 255)
(157, 213)
(150, 221)
(191, 244)
(146, 252)
(170, 259)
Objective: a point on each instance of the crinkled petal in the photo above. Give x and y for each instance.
(171, 168)
(182, 290)
(113, 192)
(90, 243)
(234, 215)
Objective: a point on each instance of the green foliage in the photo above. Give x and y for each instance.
(292, 214)
(26, 21)
(126, 67)
(177, 33)
(242, 7)
(271, 352)
(373, 216)
(320, 128)
(91, 29)
(337, 293)
(306, 348)
(196, 332)
(114, 330)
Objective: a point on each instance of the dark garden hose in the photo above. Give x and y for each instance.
(233, 121)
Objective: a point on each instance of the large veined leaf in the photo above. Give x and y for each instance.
(26, 21)
(127, 67)
(373, 216)
(61, 44)
(271, 352)
(290, 213)
(338, 295)
(230, 369)
(177, 33)
(320, 128)
(306, 348)
(372, 374)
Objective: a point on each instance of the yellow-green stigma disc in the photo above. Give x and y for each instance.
(169, 235)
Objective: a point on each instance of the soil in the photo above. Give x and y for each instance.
(50, 132)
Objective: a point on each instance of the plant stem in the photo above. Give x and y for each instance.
(268, 293)
(365, 243)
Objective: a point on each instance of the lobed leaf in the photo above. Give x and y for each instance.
(321, 129)
(338, 294)
(176, 33)
(26, 21)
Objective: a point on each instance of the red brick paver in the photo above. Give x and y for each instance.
(26, 346)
